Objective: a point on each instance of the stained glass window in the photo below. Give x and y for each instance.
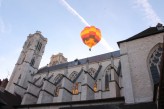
(95, 87)
(154, 62)
(75, 90)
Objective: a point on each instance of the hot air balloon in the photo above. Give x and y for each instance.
(90, 36)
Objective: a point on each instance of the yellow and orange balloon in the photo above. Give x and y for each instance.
(91, 36)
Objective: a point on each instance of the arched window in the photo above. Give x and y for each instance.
(58, 78)
(73, 75)
(39, 46)
(107, 76)
(92, 72)
(154, 60)
(75, 89)
(95, 87)
(32, 62)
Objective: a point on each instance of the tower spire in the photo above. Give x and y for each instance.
(28, 62)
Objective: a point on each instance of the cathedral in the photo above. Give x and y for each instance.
(129, 78)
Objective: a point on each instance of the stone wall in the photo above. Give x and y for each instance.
(46, 83)
(137, 81)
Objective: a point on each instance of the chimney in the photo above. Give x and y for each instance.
(160, 27)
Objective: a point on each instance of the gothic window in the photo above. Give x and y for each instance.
(58, 78)
(110, 78)
(75, 90)
(73, 75)
(154, 62)
(107, 77)
(106, 82)
(38, 46)
(32, 62)
(92, 72)
(95, 87)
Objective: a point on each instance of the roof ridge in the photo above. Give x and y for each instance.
(145, 33)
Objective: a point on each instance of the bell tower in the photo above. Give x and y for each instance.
(28, 61)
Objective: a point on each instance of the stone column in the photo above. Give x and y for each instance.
(47, 93)
(87, 87)
(65, 92)
(126, 72)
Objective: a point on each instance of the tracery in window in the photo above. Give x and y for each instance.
(58, 78)
(39, 46)
(75, 90)
(154, 62)
(32, 62)
(107, 77)
(73, 75)
(92, 72)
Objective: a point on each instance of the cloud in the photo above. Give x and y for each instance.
(149, 12)
(105, 44)
(75, 13)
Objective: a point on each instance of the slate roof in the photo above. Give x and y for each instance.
(145, 33)
(81, 61)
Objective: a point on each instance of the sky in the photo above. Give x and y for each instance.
(61, 22)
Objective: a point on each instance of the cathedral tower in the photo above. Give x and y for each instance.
(28, 61)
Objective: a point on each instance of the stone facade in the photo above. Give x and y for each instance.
(137, 79)
(27, 64)
(127, 73)
(75, 82)
(57, 59)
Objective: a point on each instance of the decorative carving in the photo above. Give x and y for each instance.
(56, 92)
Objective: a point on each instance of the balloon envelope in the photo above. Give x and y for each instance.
(91, 36)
